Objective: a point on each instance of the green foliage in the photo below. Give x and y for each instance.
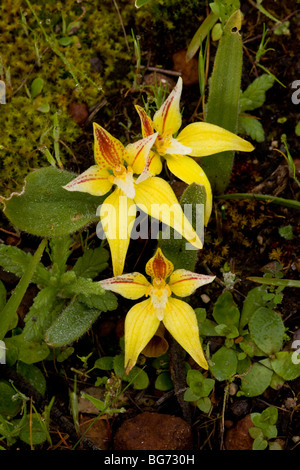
(253, 340)
(252, 98)
(223, 99)
(67, 304)
(264, 429)
(37, 70)
(178, 250)
(45, 209)
(199, 389)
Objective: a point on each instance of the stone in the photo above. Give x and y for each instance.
(238, 437)
(154, 431)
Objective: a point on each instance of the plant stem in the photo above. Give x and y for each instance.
(10, 309)
(263, 197)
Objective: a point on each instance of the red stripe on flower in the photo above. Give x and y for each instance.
(108, 149)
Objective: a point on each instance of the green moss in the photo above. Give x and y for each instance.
(92, 30)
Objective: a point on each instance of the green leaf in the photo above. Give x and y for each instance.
(92, 262)
(140, 3)
(267, 330)
(223, 99)
(36, 87)
(250, 348)
(95, 401)
(16, 261)
(164, 382)
(252, 127)
(297, 129)
(33, 431)
(74, 321)
(259, 443)
(43, 312)
(224, 363)
(104, 363)
(33, 375)
(256, 381)
(190, 395)
(138, 377)
(9, 406)
(2, 295)
(204, 404)
(60, 250)
(226, 311)
(254, 300)
(45, 209)
(10, 309)
(25, 351)
(254, 96)
(286, 364)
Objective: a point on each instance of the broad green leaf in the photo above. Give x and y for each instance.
(256, 381)
(204, 404)
(226, 310)
(267, 330)
(91, 263)
(104, 363)
(36, 87)
(74, 321)
(250, 348)
(137, 377)
(224, 363)
(45, 209)
(43, 312)
(254, 96)
(8, 405)
(252, 127)
(26, 351)
(164, 382)
(33, 375)
(254, 300)
(259, 443)
(33, 431)
(223, 99)
(287, 364)
(190, 395)
(16, 261)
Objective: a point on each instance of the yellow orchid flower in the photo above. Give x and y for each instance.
(143, 319)
(198, 139)
(116, 167)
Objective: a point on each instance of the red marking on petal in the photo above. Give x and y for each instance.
(107, 149)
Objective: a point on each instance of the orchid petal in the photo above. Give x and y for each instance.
(152, 167)
(172, 146)
(186, 169)
(131, 286)
(93, 181)
(117, 215)
(137, 153)
(184, 283)
(167, 120)
(109, 152)
(141, 324)
(159, 266)
(181, 321)
(146, 122)
(207, 139)
(156, 197)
